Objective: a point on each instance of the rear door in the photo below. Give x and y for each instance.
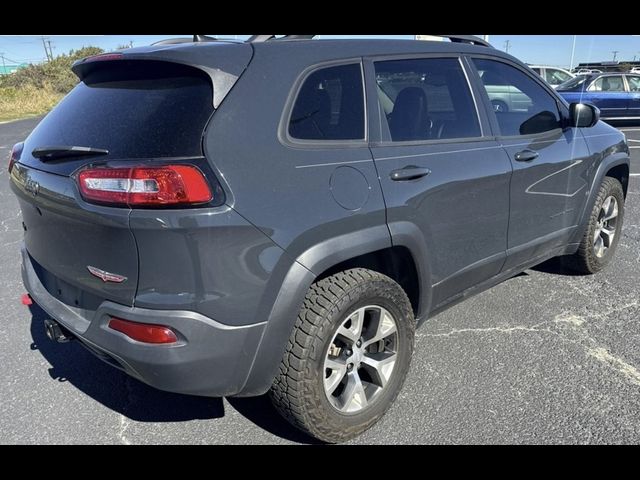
(633, 104)
(550, 166)
(440, 172)
(138, 112)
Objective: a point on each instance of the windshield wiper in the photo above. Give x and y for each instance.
(61, 151)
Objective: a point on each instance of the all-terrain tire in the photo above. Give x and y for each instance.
(586, 260)
(298, 391)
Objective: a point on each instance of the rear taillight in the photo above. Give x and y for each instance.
(14, 156)
(143, 332)
(145, 186)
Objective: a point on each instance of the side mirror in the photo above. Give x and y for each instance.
(583, 115)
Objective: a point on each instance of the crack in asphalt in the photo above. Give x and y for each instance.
(569, 324)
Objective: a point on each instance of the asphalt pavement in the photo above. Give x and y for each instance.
(544, 357)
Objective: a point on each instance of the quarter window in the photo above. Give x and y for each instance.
(330, 105)
(521, 105)
(426, 99)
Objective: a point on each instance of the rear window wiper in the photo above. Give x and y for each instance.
(61, 151)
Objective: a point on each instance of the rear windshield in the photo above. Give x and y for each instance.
(134, 109)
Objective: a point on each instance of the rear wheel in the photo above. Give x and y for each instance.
(602, 234)
(347, 356)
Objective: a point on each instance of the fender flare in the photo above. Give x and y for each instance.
(607, 164)
(301, 273)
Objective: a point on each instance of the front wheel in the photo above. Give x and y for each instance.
(347, 357)
(603, 231)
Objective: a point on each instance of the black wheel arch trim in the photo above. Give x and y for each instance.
(607, 163)
(304, 271)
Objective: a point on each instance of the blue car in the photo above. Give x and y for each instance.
(617, 95)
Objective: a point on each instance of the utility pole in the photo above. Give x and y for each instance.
(507, 45)
(50, 51)
(615, 54)
(130, 43)
(46, 52)
(4, 67)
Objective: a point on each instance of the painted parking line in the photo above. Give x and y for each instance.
(630, 129)
(634, 174)
(632, 140)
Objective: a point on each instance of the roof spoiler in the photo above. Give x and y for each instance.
(194, 39)
(471, 39)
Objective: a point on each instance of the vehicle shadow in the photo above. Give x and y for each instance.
(556, 267)
(71, 362)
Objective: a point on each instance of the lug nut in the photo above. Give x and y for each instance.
(359, 343)
(348, 352)
(349, 367)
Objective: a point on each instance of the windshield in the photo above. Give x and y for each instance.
(574, 83)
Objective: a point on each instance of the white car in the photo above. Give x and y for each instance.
(635, 70)
(553, 75)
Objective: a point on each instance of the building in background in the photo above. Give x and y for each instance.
(7, 69)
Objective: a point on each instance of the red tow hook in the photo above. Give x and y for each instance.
(26, 299)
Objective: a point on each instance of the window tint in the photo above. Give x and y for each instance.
(521, 105)
(610, 83)
(330, 105)
(634, 83)
(426, 99)
(140, 109)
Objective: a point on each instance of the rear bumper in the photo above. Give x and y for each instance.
(210, 359)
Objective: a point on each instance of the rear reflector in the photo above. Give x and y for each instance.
(26, 299)
(145, 186)
(143, 332)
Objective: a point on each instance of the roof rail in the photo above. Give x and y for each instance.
(472, 39)
(194, 39)
(264, 38)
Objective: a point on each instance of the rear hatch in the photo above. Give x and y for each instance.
(141, 111)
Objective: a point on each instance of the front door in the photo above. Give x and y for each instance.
(440, 175)
(550, 167)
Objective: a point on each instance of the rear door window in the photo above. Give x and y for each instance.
(426, 99)
(329, 105)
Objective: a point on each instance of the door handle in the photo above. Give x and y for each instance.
(526, 156)
(410, 172)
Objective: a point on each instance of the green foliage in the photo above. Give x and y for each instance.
(56, 74)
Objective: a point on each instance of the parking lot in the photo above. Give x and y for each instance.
(545, 357)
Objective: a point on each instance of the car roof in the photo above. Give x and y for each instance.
(336, 48)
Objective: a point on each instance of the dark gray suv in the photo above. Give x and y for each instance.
(230, 218)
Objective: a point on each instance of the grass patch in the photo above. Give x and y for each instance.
(25, 101)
